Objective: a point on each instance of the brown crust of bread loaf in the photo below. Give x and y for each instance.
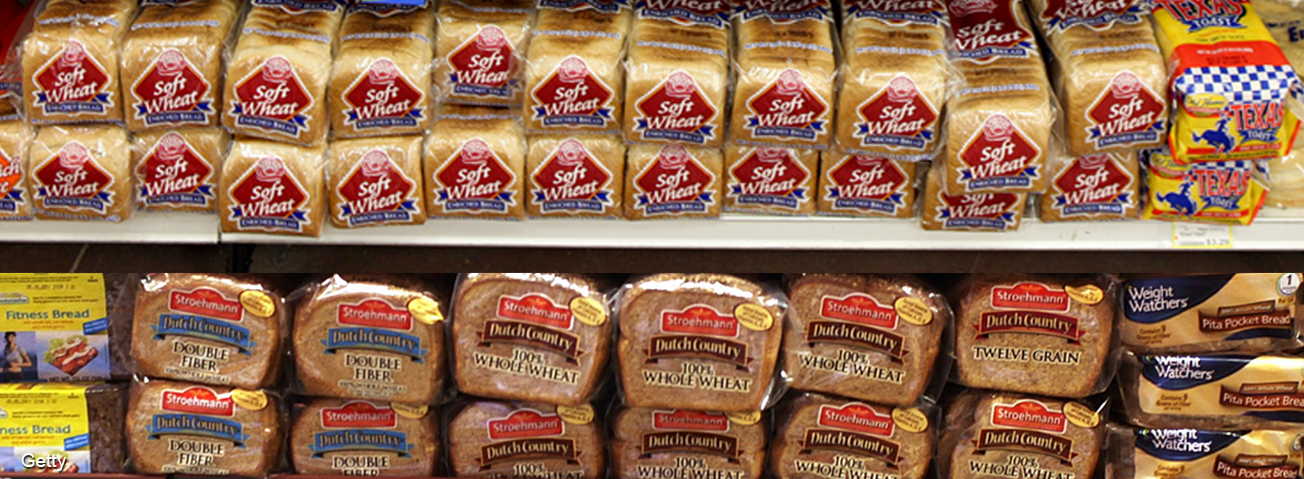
(469, 442)
(394, 376)
(798, 422)
(150, 452)
(971, 413)
(421, 435)
(912, 369)
(747, 375)
(1056, 377)
(156, 357)
(634, 428)
(576, 379)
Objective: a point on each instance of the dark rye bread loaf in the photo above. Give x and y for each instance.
(531, 337)
(698, 341)
(819, 436)
(210, 329)
(681, 443)
(370, 338)
(520, 440)
(364, 438)
(175, 427)
(868, 337)
(1043, 335)
(996, 435)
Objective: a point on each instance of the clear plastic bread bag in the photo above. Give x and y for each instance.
(495, 438)
(1000, 433)
(380, 82)
(865, 186)
(700, 341)
(185, 428)
(273, 188)
(1136, 453)
(875, 338)
(1285, 19)
(687, 443)
(475, 167)
(373, 337)
(574, 74)
(1287, 179)
(331, 436)
(15, 193)
(480, 52)
(11, 71)
(81, 173)
(823, 435)
(1050, 335)
(1217, 391)
(1249, 313)
(1094, 187)
(986, 212)
(78, 42)
(375, 181)
(179, 170)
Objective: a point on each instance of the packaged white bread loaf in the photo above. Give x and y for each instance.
(673, 181)
(1096, 187)
(974, 212)
(481, 51)
(574, 77)
(178, 170)
(856, 185)
(380, 84)
(1108, 73)
(769, 180)
(277, 78)
(1000, 113)
(172, 63)
(81, 173)
(677, 76)
(576, 176)
(375, 181)
(475, 166)
(70, 61)
(893, 79)
(785, 69)
(15, 194)
(273, 188)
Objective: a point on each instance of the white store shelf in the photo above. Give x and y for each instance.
(143, 227)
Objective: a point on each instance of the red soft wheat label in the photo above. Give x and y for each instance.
(676, 110)
(535, 308)
(857, 417)
(899, 116)
(769, 176)
(383, 97)
(173, 173)
(712, 13)
(1030, 296)
(206, 302)
(374, 313)
(898, 12)
(273, 99)
(867, 184)
(984, 30)
(573, 97)
(699, 319)
(999, 155)
(72, 178)
(674, 182)
(859, 308)
(1126, 114)
(1062, 14)
(74, 82)
(1093, 184)
(475, 179)
(198, 400)
(690, 420)
(984, 210)
(1029, 414)
(524, 423)
(377, 192)
(787, 109)
(359, 415)
(11, 174)
(268, 197)
(172, 92)
(485, 65)
(572, 180)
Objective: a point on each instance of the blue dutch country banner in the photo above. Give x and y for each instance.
(204, 328)
(374, 339)
(195, 425)
(360, 440)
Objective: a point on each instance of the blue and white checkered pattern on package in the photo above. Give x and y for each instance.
(1247, 83)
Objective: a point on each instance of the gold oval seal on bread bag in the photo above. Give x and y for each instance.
(744, 418)
(588, 310)
(258, 303)
(251, 400)
(1080, 415)
(910, 419)
(913, 311)
(753, 317)
(410, 411)
(425, 310)
(582, 414)
(1089, 294)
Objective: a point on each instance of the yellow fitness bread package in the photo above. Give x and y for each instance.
(1157, 453)
(1216, 192)
(1231, 82)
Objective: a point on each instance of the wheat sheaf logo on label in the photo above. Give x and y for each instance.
(525, 423)
(572, 180)
(1091, 185)
(475, 179)
(573, 97)
(1201, 14)
(198, 400)
(690, 420)
(784, 11)
(296, 7)
(787, 109)
(674, 182)
(374, 313)
(899, 12)
(269, 197)
(206, 302)
(172, 92)
(867, 184)
(383, 98)
(359, 414)
(1063, 14)
(699, 319)
(986, 29)
(985, 210)
(603, 6)
(769, 176)
(535, 308)
(676, 111)
(1126, 114)
(377, 191)
(859, 308)
(72, 179)
(857, 417)
(999, 156)
(11, 175)
(273, 99)
(72, 82)
(172, 173)
(1028, 295)
(485, 65)
(899, 116)
(713, 13)
(1029, 414)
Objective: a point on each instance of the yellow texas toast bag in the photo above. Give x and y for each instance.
(1217, 192)
(1230, 82)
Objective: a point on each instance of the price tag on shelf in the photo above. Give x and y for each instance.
(1202, 236)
